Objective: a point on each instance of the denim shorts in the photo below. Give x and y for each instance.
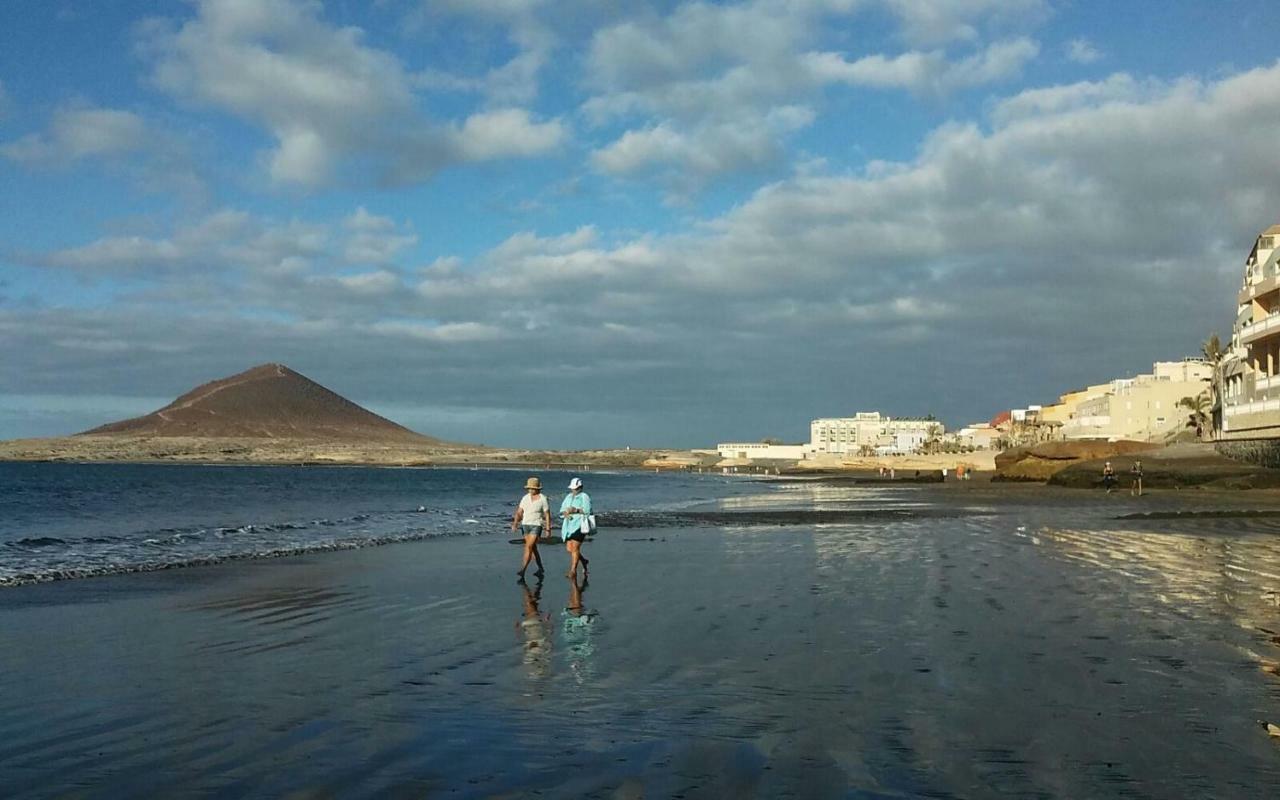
(531, 530)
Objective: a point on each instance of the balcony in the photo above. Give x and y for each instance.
(1259, 329)
(1261, 384)
(1256, 407)
(1264, 286)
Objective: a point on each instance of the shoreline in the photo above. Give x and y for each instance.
(890, 659)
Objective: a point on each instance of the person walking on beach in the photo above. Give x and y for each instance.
(574, 513)
(1135, 472)
(1108, 477)
(532, 517)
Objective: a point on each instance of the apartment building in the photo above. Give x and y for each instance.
(1250, 379)
(1143, 407)
(870, 432)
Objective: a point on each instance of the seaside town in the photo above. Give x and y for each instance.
(692, 399)
(1223, 394)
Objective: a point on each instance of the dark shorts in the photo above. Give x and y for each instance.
(576, 537)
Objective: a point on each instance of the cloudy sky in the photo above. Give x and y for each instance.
(579, 223)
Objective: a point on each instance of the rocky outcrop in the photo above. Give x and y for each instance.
(1042, 461)
(1175, 467)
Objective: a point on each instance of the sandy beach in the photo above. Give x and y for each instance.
(970, 644)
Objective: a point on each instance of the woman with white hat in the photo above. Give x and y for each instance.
(532, 517)
(575, 512)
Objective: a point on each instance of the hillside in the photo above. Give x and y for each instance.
(270, 401)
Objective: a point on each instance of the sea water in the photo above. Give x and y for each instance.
(76, 520)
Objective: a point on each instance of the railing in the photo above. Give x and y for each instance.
(1256, 407)
(1272, 382)
(1257, 330)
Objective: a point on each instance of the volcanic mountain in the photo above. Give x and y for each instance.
(270, 401)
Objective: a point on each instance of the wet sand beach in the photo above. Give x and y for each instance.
(1011, 644)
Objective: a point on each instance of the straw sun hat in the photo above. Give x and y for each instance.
(533, 483)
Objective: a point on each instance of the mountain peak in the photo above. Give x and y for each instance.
(267, 401)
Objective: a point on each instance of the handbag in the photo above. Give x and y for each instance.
(591, 520)
(585, 526)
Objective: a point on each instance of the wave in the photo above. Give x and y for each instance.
(42, 559)
(777, 517)
(50, 574)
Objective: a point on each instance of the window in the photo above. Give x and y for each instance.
(1266, 242)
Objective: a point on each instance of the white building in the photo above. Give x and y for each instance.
(759, 450)
(869, 432)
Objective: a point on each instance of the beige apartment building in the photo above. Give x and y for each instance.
(1067, 404)
(1250, 381)
(1144, 407)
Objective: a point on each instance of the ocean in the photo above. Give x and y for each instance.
(60, 521)
(737, 638)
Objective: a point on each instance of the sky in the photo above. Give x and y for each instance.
(582, 223)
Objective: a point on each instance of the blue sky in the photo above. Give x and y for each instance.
(584, 223)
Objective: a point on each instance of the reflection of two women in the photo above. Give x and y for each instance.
(535, 630)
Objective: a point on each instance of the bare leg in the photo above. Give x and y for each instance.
(572, 547)
(538, 557)
(530, 550)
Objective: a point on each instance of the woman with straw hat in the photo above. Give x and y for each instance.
(532, 517)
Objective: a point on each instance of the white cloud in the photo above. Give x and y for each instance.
(454, 332)
(222, 241)
(79, 133)
(1082, 51)
(988, 242)
(937, 21)
(1083, 95)
(374, 239)
(118, 251)
(380, 282)
(704, 151)
(330, 100)
(507, 133)
(703, 78)
(514, 82)
(926, 72)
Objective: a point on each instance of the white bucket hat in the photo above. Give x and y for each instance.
(576, 483)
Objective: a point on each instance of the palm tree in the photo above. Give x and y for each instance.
(1199, 408)
(1212, 349)
(1214, 354)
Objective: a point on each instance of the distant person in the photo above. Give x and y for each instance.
(532, 517)
(1108, 477)
(1135, 472)
(574, 514)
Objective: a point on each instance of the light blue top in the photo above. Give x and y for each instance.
(572, 523)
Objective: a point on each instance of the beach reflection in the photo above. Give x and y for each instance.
(1206, 575)
(578, 628)
(535, 630)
